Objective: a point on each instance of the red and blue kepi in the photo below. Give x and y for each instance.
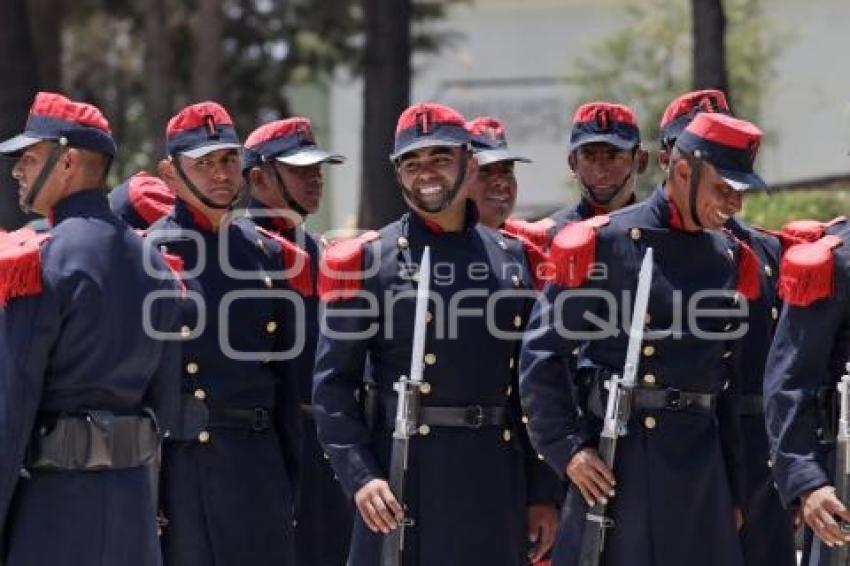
(200, 129)
(290, 141)
(684, 108)
(429, 125)
(730, 145)
(604, 122)
(489, 142)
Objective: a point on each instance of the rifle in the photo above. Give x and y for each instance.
(407, 414)
(841, 556)
(617, 412)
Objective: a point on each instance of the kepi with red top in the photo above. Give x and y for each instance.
(429, 124)
(604, 122)
(200, 129)
(54, 117)
(684, 108)
(290, 141)
(490, 143)
(729, 144)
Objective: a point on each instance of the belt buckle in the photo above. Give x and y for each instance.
(261, 420)
(674, 399)
(474, 417)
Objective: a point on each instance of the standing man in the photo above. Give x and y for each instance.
(767, 537)
(86, 389)
(230, 469)
(475, 494)
(283, 167)
(605, 157)
(494, 187)
(675, 490)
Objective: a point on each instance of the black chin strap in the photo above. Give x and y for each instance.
(175, 160)
(588, 192)
(287, 196)
(695, 162)
(29, 199)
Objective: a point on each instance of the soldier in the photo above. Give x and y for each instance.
(283, 167)
(767, 537)
(494, 188)
(677, 473)
(85, 386)
(141, 200)
(476, 494)
(230, 469)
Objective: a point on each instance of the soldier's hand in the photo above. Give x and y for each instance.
(542, 524)
(820, 509)
(592, 476)
(378, 506)
(739, 518)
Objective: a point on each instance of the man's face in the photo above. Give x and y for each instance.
(716, 202)
(603, 169)
(304, 184)
(27, 169)
(428, 176)
(216, 175)
(494, 189)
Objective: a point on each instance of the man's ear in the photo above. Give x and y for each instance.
(682, 171)
(642, 160)
(571, 161)
(257, 180)
(471, 166)
(166, 171)
(71, 159)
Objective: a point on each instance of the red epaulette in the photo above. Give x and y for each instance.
(341, 268)
(574, 250)
(20, 264)
(749, 272)
(542, 270)
(807, 271)
(294, 258)
(149, 196)
(538, 233)
(807, 231)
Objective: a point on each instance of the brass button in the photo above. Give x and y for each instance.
(503, 244)
(540, 457)
(515, 279)
(325, 456)
(768, 271)
(649, 422)
(430, 359)
(260, 243)
(200, 394)
(517, 321)
(727, 327)
(725, 385)
(506, 435)
(267, 281)
(203, 436)
(635, 234)
(192, 368)
(774, 312)
(509, 390)
(403, 243)
(731, 253)
(525, 419)
(428, 316)
(576, 351)
(647, 319)
(414, 277)
(425, 388)
(727, 354)
(185, 331)
(649, 351)
(424, 430)
(512, 362)
(271, 327)
(649, 379)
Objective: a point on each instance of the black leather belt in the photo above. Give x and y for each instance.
(666, 399)
(257, 419)
(458, 416)
(93, 441)
(750, 405)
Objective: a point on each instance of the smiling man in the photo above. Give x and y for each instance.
(494, 187)
(476, 492)
(676, 487)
